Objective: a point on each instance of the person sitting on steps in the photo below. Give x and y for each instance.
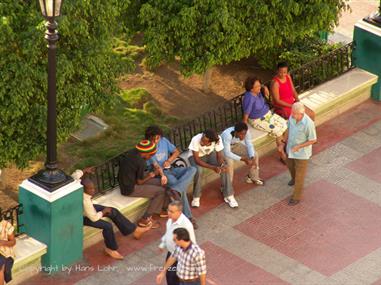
(93, 214)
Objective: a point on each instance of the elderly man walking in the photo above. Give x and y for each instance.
(176, 219)
(299, 138)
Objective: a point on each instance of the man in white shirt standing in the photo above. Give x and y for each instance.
(238, 147)
(206, 151)
(176, 219)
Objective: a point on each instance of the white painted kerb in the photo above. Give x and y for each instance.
(50, 196)
(368, 27)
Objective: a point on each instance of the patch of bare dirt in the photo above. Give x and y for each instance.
(184, 97)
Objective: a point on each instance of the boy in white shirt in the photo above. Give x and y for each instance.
(206, 151)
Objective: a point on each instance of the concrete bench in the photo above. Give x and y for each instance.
(28, 253)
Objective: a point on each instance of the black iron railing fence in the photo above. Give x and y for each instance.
(305, 77)
(13, 216)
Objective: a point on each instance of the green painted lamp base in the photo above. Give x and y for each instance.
(366, 54)
(54, 218)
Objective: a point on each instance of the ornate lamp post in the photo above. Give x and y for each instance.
(375, 19)
(51, 178)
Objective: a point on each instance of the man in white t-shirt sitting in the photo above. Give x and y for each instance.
(205, 151)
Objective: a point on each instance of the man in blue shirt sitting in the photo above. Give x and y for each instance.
(238, 147)
(178, 178)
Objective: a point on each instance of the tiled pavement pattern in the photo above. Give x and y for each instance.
(332, 237)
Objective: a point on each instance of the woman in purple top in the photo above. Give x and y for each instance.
(257, 113)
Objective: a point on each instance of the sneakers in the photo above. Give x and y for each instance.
(231, 201)
(195, 202)
(255, 181)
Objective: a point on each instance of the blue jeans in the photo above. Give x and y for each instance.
(123, 224)
(179, 179)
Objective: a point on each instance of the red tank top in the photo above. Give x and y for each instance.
(286, 95)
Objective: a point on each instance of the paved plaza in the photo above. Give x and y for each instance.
(332, 237)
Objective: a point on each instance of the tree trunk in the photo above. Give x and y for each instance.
(207, 76)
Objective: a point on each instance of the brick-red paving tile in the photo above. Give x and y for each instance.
(225, 268)
(368, 165)
(330, 235)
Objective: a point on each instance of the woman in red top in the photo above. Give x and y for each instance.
(284, 94)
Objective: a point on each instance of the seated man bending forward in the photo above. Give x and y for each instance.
(206, 151)
(238, 147)
(133, 181)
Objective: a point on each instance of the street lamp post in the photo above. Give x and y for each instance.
(51, 178)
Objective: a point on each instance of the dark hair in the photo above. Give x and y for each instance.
(249, 82)
(211, 135)
(282, 64)
(152, 131)
(86, 181)
(181, 234)
(240, 126)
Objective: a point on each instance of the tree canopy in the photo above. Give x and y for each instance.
(87, 70)
(204, 33)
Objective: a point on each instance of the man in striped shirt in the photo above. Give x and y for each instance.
(191, 264)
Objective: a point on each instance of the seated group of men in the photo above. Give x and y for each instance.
(147, 171)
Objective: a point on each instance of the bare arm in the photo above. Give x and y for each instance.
(170, 261)
(203, 279)
(299, 146)
(204, 164)
(245, 118)
(296, 96)
(145, 179)
(275, 95)
(220, 157)
(10, 242)
(170, 159)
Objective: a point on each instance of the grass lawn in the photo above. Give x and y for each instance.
(132, 111)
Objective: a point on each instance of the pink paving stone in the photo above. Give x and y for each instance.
(368, 165)
(378, 282)
(325, 236)
(234, 270)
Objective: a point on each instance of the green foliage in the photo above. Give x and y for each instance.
(136, 97)
(204, 33)
(87, 69)
(122, 48)
(296, 54)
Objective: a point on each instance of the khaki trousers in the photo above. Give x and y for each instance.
(241, 150)
(298, 170)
